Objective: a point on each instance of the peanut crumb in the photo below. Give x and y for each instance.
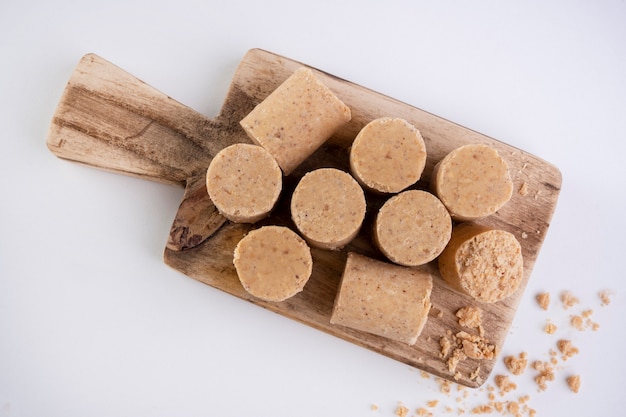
(605, 297)
(424, 374)
(482, 409)
(550, 328)
(401, 410)
(568, 299)
(445, 345)
(583, 321)
(577, 322)
(513, 408)
(432, 403)
(457, 356)
(553, 357)
(546, 373)
(475, 375)
(470, 317)
(444, 385)
(567, 348)
(516, 365)
(374, 407)
(543, 299)
(573, 382)
(423, 412)
(505, 384)
(524, 235)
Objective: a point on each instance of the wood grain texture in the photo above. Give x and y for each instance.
(111, 120)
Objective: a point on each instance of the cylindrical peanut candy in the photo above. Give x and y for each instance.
(388, 155)
(383, 299)
(412, 228)
(482, 262)
(328, 208)
(244, 182)
(273, 263)
(472, 181)
(296, 119)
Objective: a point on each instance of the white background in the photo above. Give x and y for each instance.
(93, 323)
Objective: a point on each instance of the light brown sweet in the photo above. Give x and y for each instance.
(328, 208)
(388, 155)
(481, 262)
(573, 382)
(273, 263)
(516, 364)
(412, 228)
(384, 299)
(296, 119)
(244, 182)
(472, 181)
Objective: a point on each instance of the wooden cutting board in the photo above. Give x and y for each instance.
(109, 119)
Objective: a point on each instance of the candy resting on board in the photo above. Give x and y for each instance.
(109, 119)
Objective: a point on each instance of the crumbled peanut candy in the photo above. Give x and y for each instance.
(550, 328)
(401, 410)
(481, 348)
(583, 321)
(513, 407)
(605, 297)
(457, 356)
(445, 345)
(516, 365)
(374, 407)
(577, 322)
(543, 299)
(567, 348)
(573, 382)
(505, 384)
(444, 385)
(470, 317)
(568, 299)
(462, 346)
(423, 412)
(553, 357)
(475, 375)
(546, 373)
(482, 409)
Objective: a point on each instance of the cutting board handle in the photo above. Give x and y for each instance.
(109, 119)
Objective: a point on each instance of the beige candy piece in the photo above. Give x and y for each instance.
(328, 208)
(388, 155)
(273, 263)
(412, 228)
(296, 119)
(472, 181)
(384, 299)
(244, 182)
(482, 262)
